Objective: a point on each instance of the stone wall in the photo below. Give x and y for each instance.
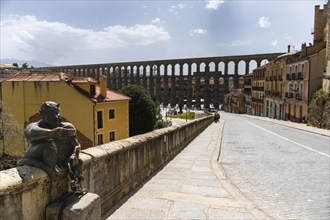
(111, 170)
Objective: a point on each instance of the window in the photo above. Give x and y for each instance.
(112, 136)
(301, 91)
(92, 89)
(100, 138)
(99, 119)
(112, 114)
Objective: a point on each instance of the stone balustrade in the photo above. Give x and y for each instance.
(111, 170)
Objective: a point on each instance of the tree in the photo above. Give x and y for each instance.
(142, 110)
(10, 131)
(15, 64)
(25, 66)
(318, 109)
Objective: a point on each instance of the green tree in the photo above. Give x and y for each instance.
(15, 64)
(157, 107)
(25, 66)
(316, 109)
(142, 110)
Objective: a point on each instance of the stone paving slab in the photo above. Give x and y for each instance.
(191, 186)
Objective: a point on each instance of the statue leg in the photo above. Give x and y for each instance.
(50, 154)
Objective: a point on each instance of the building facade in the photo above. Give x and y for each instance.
(248, 94)
(258, 91)
(98, 113)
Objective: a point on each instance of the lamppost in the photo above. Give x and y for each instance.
(187, 111)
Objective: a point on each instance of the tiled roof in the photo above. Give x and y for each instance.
(51, 76)
(111, 96)
(35, 77)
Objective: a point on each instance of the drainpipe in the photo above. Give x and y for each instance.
(2, 123)
(24, 112)
(309, 83)
(309, 79)
(94, 136)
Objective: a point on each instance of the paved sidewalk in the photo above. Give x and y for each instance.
(191, 186)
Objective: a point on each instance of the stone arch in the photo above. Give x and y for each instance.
(221, 80)
(241, 67)
(185, 69)
(202, 87)
(135, 75)
(264, 62)
(202, 67)
(185, 89)
(212, 89)
(129, 73)
(231, 68)
(231, 85)
(194, 68)
(169, 70)
(162, 70)
(177, 69)
(221, 67)
(212, 66)
(252, 65)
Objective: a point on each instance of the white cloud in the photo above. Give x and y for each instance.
(26, 37)
(233, 43)
(264, 22)
(197, 31)
(274, 43)
(174, 9)
(213, 4)
(157, 21)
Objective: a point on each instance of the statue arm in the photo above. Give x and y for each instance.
(33, 132)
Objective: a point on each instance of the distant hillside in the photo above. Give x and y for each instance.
(33, 63)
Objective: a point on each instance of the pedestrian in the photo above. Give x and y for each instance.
(216, 117)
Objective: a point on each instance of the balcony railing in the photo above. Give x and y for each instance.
(299, 96)
(272, 93)
(288, 76)
(257, 100)
(289, 95)
(257, 88)
(300, 75)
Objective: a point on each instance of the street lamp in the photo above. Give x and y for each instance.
(187, 111)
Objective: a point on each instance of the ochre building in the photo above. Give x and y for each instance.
(99, 114)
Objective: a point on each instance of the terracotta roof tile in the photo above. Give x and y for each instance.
(51, 76)
(35, 77)
(111, 96)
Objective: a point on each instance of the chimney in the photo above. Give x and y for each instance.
(303, 50)
(103, 86)
(288, 48)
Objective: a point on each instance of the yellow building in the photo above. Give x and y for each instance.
(99, 114)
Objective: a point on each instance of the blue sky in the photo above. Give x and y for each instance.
(85, 32)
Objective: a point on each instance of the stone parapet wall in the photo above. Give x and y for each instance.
(111, 170)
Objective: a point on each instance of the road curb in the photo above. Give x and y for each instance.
(228, 185)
